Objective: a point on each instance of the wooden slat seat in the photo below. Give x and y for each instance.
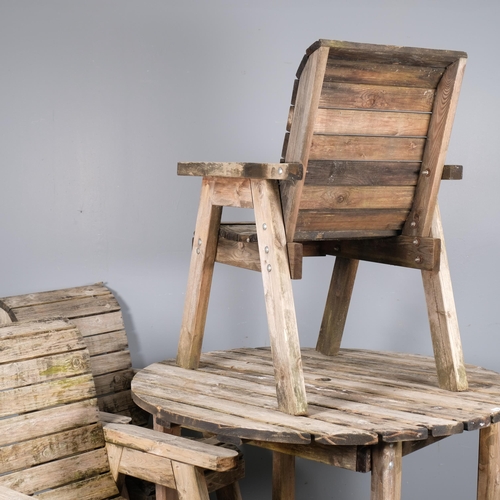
(52, 442)
(370, 126)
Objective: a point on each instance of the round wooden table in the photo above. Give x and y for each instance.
(366, 410)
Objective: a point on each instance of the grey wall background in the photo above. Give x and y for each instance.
(99, 99)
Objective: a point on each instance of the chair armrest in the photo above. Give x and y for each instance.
(105, 416)
(452, 173)
(8, 494)
(278, 171)
(172, 447)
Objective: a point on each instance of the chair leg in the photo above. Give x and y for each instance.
(229, 492)
(162, 492)
(200, 279)
(386, 471)
(283, 476)
(443, 319)
(337, 305)
(278, 294)
(190, 481)
(488, 479)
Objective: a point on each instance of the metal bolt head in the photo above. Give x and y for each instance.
(199, 242)
(266, 249)
(426, 172)
(280, 171)
(418, 260)
(269, 267)
(391, 465)
(413, 223)
(416, 242)
(264, 226)
(198, 251)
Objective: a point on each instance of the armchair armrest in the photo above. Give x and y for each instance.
(277, 171)
(8, 494)
(172, 447)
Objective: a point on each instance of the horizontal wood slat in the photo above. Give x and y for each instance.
(340, 220)
(58, 473)
(380, 97)
(35, 371)
(354, 197)
(51, 447)
(390, 54)
(326, 147)
(40, 396)
(366, 72)
(416, 253)
(51, 420)
(73, 308)
(358, 122)
(362, 173)
(102, 486)
(33, 299)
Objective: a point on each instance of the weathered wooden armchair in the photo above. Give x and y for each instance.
(363, 158)
(52, 444)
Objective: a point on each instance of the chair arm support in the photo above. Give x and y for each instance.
(8, 494)
(277, 171)
(172, 447)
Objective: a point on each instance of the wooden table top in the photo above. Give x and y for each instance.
(356, 398)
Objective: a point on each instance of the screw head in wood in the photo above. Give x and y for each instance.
(198, 251)
(280, 171)
(199, 242)
(269, 267)
(413, 223)
(266, 249)
(418, 260)
(264, 226)
(426, 172)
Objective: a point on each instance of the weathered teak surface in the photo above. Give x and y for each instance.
(368, 132)
(366, 410)
(52, 443)
(97, 314)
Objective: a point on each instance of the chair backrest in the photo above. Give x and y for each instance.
(371, 124)
(97, 314)
(51, 442)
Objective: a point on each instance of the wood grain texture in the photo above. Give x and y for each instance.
(277, 171)
(360, 122)
(386, 472)
(443, 320)
(377, 97)
(200, 278)
(445, 104)
(356, 197)
(278, 294)
(232, 193)
(488, 482)
(298, 144)
(283, 486)
(359, 148)
(412, 252)
(337, 306)
(372, 73)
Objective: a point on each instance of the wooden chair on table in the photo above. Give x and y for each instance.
(52, 443)
(363, 158)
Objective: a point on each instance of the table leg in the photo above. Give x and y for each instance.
(488, 479)
(283, 476)
(162, 492)
(386, 471)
